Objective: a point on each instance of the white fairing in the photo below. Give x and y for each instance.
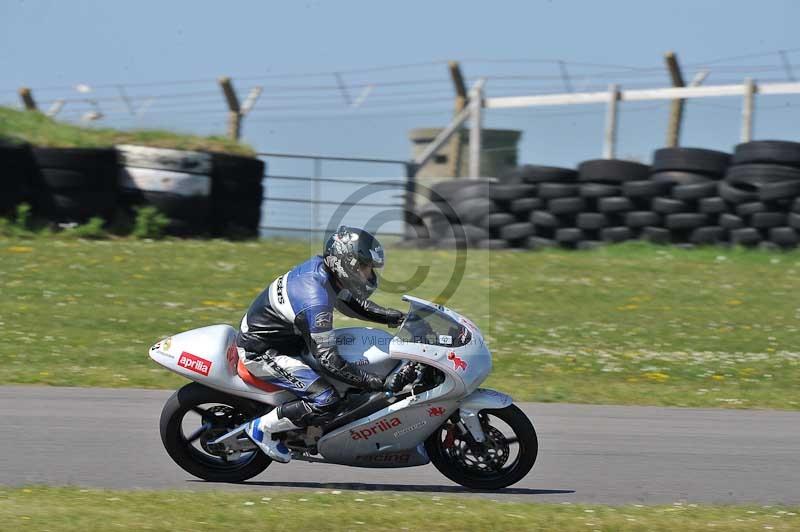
(208, 355)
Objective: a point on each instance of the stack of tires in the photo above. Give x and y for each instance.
(74, 184)
(607, 214)
(761, 190)
(237, 195)
(176, 182)
(682, 193)
(16, 161)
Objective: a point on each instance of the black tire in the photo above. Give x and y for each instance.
(542, 174)
(201, 463)
(751, 207)
(734, 194)
(592, 221)
(713, 205)
(588, 245)
(236, 168)
(696, 160)
(557, 190)
(784, 236)
(746, 236)
(501, 192)
(645, 189)
(793, 220)
(612, 171)
(638, 219)
(472, 211)
(709, 235)
(566, 205)
(470, 192)
(695, 191)
(756, 174)
(517, 231)
(768, 151)
(679, 178)
(767, 220)
(656, 235)
(569, 235)
(497, 220)
(670, 206)
(616, 234)
(731, 222)
(599, 190)
(444, 190)
(796, 205)
(450, 460)
(523, 206)
(614, 204)
(686, 220)
(75, 158)
(545, 219)
(778, 191)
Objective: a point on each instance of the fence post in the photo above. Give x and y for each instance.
(676, 106)
(317, 194)
(476, 123)
(410, 216)
(27, 99)
(454, 160)
(610, 146)
(234, 111)
(748, 109)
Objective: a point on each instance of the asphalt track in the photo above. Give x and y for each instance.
(598, 454)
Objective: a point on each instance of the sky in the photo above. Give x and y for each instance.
(166, 57)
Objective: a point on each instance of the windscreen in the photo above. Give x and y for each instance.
(425, 325)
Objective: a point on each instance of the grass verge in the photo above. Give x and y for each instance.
(72, 509)
(629, 324)
(40, 130)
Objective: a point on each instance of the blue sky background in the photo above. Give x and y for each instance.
(174, 51)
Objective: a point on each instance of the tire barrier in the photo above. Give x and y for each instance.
(176, 182)
(202, 193)
(15, 177)
(687, 197)
(74, 184)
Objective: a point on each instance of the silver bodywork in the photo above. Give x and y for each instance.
(392, 437)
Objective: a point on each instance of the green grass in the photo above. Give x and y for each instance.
(71, 509)
(40, 130)
(629, 324)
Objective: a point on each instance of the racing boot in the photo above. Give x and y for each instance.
(261, 429)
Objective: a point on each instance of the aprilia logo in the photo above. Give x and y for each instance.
(194, 363)
(458, 362)
(383, 425)
(435, 411)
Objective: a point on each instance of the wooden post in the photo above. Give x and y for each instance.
(454, 159)
(234, 111)
(476, 125)
(27, 99)
(748, 108)
(676, 106)
(609, 148)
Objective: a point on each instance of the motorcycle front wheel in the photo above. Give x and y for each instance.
(196, 415)
(504, 458)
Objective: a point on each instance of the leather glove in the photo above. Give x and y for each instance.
(394, 317)
(397, 381)
(374, 383)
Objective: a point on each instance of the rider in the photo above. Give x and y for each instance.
(295, 312)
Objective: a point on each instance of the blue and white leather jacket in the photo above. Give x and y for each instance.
(299, 305)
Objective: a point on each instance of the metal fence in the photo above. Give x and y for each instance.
(307, 205)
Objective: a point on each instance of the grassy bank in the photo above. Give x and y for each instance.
(71, 509)
(40, 130)
(628, 324)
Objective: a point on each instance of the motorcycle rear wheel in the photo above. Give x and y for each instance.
(486, 465)
(219, 413)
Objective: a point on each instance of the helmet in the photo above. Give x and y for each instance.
(346, 251)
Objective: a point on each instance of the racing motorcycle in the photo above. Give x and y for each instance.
(476, 437)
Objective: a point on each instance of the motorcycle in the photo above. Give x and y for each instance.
(475, 437)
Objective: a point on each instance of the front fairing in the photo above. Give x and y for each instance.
(440, 337)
